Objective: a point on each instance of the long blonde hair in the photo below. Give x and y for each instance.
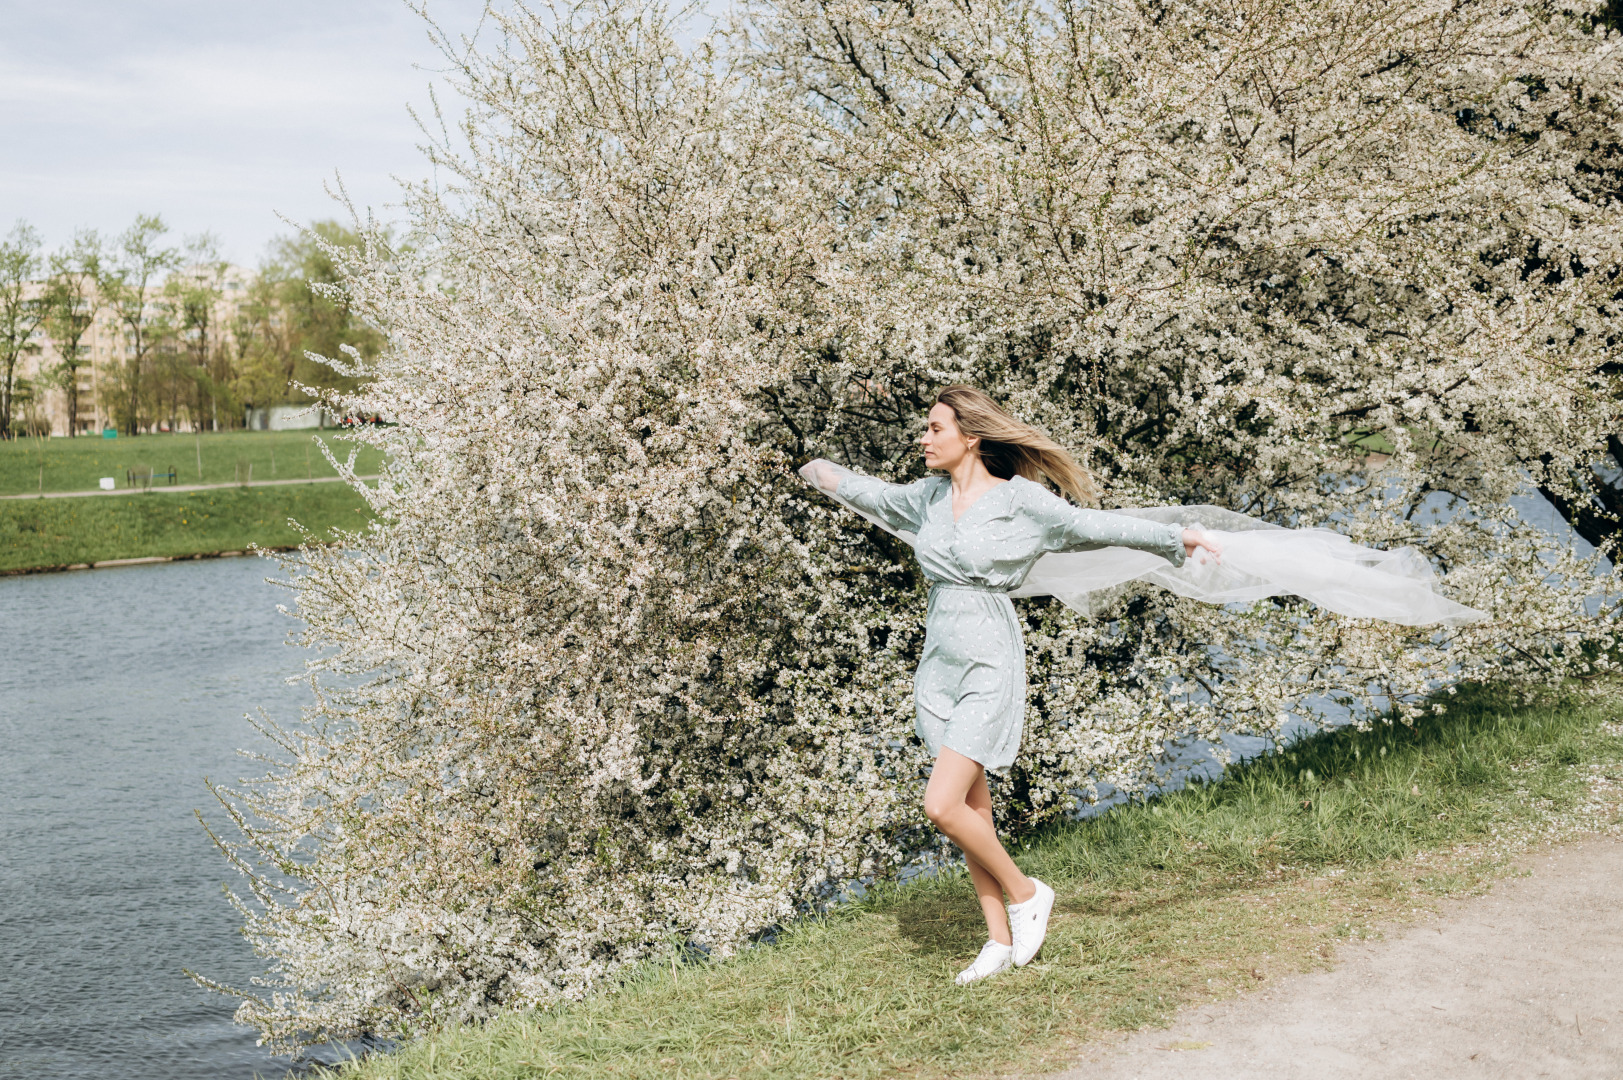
(1009, 448)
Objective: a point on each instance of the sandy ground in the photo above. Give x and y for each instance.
(160, 489)
(1526, 981)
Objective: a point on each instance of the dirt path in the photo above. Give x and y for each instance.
(1526, 981)
(161, 488)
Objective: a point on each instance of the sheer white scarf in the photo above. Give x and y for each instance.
(1258, 560)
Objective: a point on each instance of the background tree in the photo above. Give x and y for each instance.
(262, 346)
(169, 382)
(20, 311)
(30, 418)
(318, 315)
(193, 294)
(130, 280)
(71, 301)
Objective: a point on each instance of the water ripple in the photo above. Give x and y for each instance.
(119, 691)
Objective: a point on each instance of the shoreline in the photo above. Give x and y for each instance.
(112, 564)
(41, 536)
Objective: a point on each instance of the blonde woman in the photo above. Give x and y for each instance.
(978, 530)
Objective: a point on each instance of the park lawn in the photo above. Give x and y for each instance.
(1198, 895)
(28, 466)
(58, 532)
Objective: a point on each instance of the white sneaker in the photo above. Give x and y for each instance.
(994, 959)
(1028, 923)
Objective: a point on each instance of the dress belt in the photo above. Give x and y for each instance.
(955, 587)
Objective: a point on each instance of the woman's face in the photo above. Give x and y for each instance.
(944, 445)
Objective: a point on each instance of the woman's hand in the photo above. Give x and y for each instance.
(1195, 538)
(827, 477)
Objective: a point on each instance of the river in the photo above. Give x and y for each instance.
(120, 690)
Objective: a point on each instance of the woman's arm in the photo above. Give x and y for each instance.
(1071, 528)
(898, 506)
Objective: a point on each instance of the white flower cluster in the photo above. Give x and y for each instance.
(606, 680)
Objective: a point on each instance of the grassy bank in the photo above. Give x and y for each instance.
(58, 532)
(1199, 895)
(28, 466)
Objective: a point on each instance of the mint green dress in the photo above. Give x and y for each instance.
(970, 688)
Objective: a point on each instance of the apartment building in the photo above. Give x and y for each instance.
(104, 349)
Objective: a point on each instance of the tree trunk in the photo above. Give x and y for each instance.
(135, 396)
(5, 400)
(1599, 516)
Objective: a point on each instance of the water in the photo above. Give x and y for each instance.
(120, 690)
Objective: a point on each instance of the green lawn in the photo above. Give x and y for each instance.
(78, 464)
(59, 532)
(1196, 896)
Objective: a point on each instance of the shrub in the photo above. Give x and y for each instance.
(605, 679)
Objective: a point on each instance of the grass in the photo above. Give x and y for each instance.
(38, 533)
(1198, 895)
(29, 466)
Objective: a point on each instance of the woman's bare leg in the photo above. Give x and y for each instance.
(959, 803)
(988, 890)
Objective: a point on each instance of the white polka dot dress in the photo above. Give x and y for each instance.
(970, 688)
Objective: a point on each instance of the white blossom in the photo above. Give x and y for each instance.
(606, 678)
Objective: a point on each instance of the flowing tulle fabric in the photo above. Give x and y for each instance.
(1258, 560)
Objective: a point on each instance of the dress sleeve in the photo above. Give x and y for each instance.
(898, 506)
(1071, 528)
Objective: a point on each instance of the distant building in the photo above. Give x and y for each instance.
(286, 418)
(104, 348)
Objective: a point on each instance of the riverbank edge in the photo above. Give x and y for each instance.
(43, 536)
(110, 564)
(1360, 833)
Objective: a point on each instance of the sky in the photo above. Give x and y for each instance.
(216, 115)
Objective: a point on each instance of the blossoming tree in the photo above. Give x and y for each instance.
(605, 679)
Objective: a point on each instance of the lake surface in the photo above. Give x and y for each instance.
(120, 690)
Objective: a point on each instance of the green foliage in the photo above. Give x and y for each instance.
(262, 351)
(70, 303)
(1190, 896)
(60, 532)
(135, 266)
(20, 312)
(302, 283)
(194, 366)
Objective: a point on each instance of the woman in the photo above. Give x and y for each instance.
(979, 530)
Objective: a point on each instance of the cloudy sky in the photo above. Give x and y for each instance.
(216, 114)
